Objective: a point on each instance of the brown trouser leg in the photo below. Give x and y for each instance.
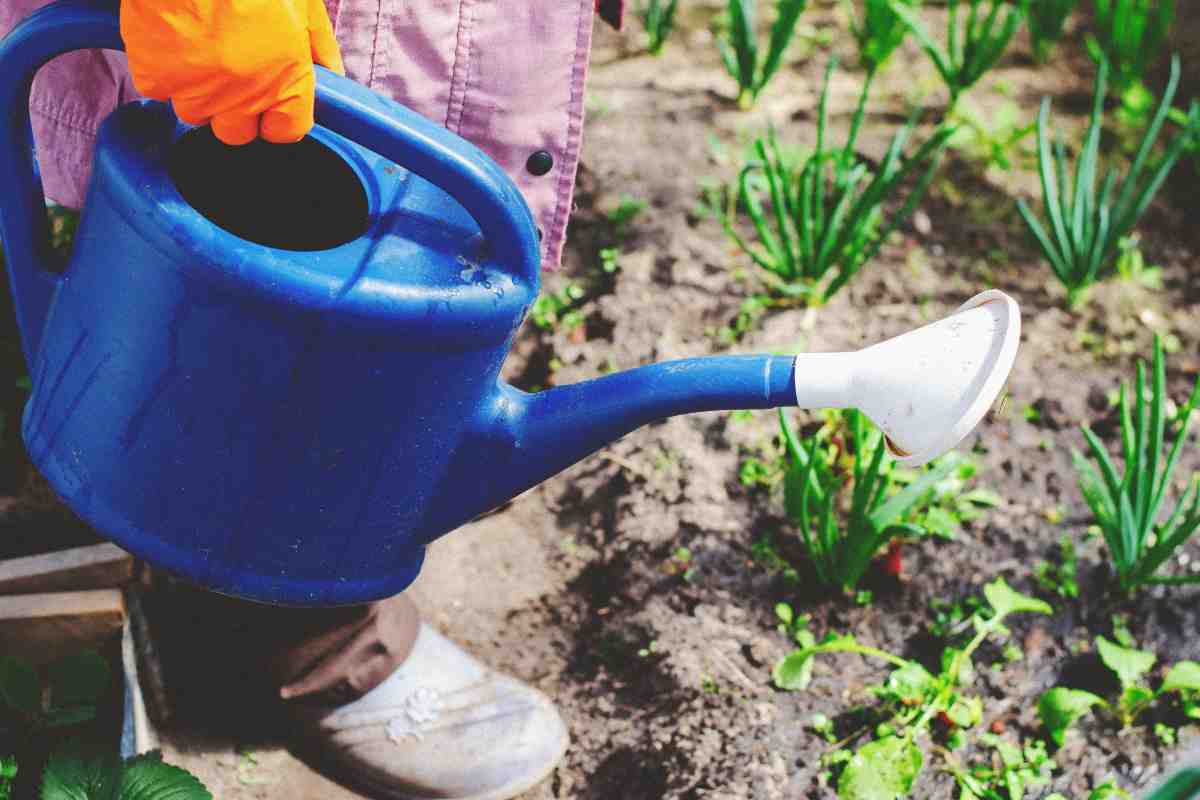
(339, 655)
(219, 651)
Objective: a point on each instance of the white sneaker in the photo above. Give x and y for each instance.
(442, 726)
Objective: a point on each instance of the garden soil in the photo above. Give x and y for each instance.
(630, 588)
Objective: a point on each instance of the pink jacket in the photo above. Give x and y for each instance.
(506, 74)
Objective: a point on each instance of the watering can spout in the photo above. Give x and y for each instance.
(926, 389)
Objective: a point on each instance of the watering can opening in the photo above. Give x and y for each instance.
(300, 196)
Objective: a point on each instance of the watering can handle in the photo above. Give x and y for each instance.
(462, 170)
(50, 31)
(444, 159)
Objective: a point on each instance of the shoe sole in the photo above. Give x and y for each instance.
(316, 757)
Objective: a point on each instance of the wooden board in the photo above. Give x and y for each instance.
(44, 627)
(101, 566)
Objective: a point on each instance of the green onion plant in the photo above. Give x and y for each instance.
(658, 18)
(1082, 231)
(1046, 20)
(826, 219)
(843, 541)
(878, 30)
(973, 46)
(1130, 35)
(1126, 506)
(740, 51)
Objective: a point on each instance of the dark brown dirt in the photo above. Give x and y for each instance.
(663, 671)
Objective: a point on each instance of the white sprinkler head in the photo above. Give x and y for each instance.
(928, 388)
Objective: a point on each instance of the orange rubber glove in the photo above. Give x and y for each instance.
(246, 66)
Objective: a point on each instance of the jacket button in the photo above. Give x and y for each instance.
(540, 163)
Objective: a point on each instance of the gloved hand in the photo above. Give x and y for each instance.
(246, 66)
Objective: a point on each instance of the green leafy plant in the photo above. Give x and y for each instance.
(912, 700)
(1046, 20)
(1126, 506)
(1083, 230)
(71, 775)
(878, 30)
(69, 696)
(1014, 769)
(658, 18)
(950, 502)
(554, 308)
(8, 772)
(973, 46)
(740, 49)
(824, 220)
(1129, 34)
(992, 138)
(1131, 265)
(625, 212)
(836, 492)
(1061, 707)
(1060, 578)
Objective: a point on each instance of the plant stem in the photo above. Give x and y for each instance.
(861, 649)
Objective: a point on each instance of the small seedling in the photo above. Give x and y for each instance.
(658, 18)
(878, 30)
(626, 211)
(1129, 35)
(1014, 769)
(1131, 265)
(819, 224)
(950, 502)
(554, 308)
(1061, 707)
(1046, 20)
(850, 460)
(740, 50)
(1060, 578)
(1127, 507)
(993, 139)
(913, 701)
(609, 260)
(8, 773)
(973, 46)
(1082, 232)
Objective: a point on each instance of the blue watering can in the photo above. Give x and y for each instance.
(290, 411)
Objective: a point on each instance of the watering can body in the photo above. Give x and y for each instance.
(290, 409)
(271, 423)
(288, 425)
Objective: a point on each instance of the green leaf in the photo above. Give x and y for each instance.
(910, 683)
(881, 770)
(70, 775)
(1184, 675)
(19, 685)
(1128, 664)
(941, 522)
(1060, 707)
(148, 778)
(983, 497)
(794, 671)
(965, 712)
(78, 680)
(1004, 600)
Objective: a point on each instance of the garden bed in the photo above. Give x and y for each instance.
(639, 588)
